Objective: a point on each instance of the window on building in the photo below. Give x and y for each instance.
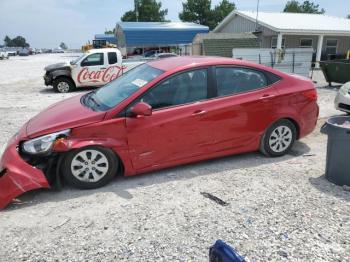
(306, 42)
(331, 46)
(274, 42)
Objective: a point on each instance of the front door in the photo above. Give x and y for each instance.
(171, 133)
(90, 71)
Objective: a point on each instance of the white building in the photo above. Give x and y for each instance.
(327, 35)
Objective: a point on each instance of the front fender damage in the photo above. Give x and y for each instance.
(20, 173)
(17, 176)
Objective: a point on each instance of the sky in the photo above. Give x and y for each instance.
(47, 23)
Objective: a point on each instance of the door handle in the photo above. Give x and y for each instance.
(199, 112)
(266, 96)
(103, 68)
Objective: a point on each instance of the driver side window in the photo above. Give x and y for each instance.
(183, 88)
(93, 60)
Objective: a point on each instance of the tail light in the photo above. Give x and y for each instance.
(310, 94)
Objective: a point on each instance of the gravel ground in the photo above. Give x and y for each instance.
(280, 209)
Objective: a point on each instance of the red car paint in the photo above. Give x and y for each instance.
(172, 136)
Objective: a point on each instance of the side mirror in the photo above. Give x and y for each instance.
(141, 109)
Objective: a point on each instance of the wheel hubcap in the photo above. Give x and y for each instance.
(63, 87)
(280, 139)
(89, 166)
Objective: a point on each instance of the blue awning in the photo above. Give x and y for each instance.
(108, 37)
(158, 33)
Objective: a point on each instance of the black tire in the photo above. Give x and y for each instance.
(267, 145)
(68, 165)
(63, 85)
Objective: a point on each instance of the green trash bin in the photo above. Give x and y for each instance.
(337, 71)
(338, 149)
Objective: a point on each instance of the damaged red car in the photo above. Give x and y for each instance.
(160, 114)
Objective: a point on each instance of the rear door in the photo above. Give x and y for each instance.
(244, 105)
(113, 69)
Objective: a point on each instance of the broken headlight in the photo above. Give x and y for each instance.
(43, 144)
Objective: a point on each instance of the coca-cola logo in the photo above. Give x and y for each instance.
(100, 76)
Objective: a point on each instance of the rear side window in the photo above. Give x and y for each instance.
(93, 60)
(112, 58)
(233, 80)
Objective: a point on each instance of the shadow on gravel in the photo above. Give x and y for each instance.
(49, 90)
(323, 185)
(121, 185)
(334, 88)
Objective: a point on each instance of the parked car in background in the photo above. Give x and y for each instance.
(24, 52)
(150, 53)
(163, 55)
(3, 54)
(58, 51)
(163, 113)
(342, 100)
(12, 52)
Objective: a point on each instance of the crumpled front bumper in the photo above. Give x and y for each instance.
(17, 176)
(47, 80)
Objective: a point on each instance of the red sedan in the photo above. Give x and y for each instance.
(163, 113)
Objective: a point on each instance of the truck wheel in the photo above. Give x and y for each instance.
(90, 167)
(63, 85)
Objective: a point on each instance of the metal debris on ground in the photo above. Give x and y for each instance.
(214, 198)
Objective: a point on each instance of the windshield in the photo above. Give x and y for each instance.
(73, 62)
(121, 88)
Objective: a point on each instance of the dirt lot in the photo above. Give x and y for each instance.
(280, 209)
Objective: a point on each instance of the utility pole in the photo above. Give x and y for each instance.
(136, 2)
(257, 15)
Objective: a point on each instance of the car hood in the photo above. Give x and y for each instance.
(57, 66)
(66, 114)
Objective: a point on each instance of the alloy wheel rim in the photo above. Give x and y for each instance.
(63, 87)
(280, 139)
(89, 165)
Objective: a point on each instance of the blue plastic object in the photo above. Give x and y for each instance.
(221, 252)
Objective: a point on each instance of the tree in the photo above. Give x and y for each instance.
(7, 41)
(110, 32)
(148, 10)
(200, 12)
(294, 6)
(18, 41)
(63, 46)
(348, 16)
(222, 10)
(197, 11)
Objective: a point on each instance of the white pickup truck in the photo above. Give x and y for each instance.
(96, 67)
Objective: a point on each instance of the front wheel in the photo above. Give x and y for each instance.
(90, 167)
(63, 85)
(278, 139)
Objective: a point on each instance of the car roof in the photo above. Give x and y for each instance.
(182, 62)
(99, 50)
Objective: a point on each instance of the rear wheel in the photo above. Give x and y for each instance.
(90, 167)
(63, 85)
(278, 139)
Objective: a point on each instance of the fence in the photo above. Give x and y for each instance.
(292, 60)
